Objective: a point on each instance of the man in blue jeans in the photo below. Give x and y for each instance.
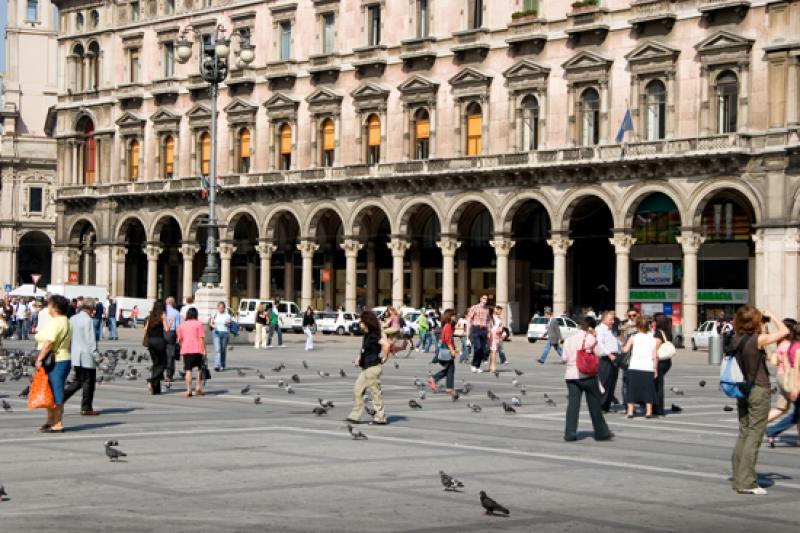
(478, 322)
(553, 337)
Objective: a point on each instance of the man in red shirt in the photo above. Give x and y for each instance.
(478, 324)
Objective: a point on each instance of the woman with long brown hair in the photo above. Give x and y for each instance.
(374, 353)
(447, 354)
(154, 329)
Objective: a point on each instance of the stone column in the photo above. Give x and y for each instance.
(225, 251)
(288, 275)
(416, 276)
(152, 252)
(118, 254)
(265, 251)
(351, 248)
(372, 276)
(792, 96)
(622, 246)
(398, 246)
(560, 244)
(502, 248)
(705, 115)
(307, 249)
(448, 245)
(760, 269)
(690, 242)
(252, 284)
(59, 262)
(188, 252)
(791, 246)
(463, 285)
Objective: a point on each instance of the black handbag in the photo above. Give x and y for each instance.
(206, 373)
(49, 362)
(624, 360)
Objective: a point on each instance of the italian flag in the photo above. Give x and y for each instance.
(203, 186)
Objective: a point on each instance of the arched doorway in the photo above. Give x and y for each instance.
(34, 257)
(475, 258)
(82, 263)
(657, 258)
(135, 238)
(245, 260)
(329, 260)
(424, 231)
(87, 153)
(284, 234)
(531, 263)
(591, 265)
(170, 261)
(374, 260)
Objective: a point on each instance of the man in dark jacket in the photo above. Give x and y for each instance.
(553, 337)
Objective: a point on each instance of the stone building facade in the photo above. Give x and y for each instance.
(432, 150)
(27, 152)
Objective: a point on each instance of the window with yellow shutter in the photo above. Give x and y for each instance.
(285, 147)
(474, 124)
(169, 157)
(422, 133)
(328, 143)
(133, 160)
(373, 140)
(244, 150)
(205, 153)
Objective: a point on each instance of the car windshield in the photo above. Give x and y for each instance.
(540, 320)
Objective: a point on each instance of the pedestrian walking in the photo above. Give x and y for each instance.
(784, 375)
(85, 356)
(22, 315)
(173, 318)
(642, 368)
(579, 384)
(134, 316)
(154, 329)
(192, 341)
(275, 326)
(447, 354)
(262, 325)
(55, 339)
(662, 332)
(99, 316)
(496, 333)
(748, 343)
(424, 332)
(111, 321)
(479, 320)
(460, 334)
(608, 350)
(553, 337)
(788, 379)
(309, 325)
(219, 322)
(374, 353)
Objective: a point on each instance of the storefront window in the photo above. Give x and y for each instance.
(657, 221)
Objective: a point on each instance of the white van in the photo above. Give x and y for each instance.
(289, 316)
(125, 306)
(69, 292)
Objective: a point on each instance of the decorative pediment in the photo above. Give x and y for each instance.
(650, 50)
(586, 60)
(526, 69)
(240, 110)
(323, 96)
(370, 90)
(470, 77)
(163, 116)
(280, 101)
(418, 84)
(723, 41)
(199, 114)
(130, 124)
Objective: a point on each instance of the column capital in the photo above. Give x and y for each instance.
(690, 241)
(189, 250)
(266, 249)
(502, 245)
(118, 254)
(791, 240)
(73, 254)
(225, 251)
(152, 252)
(560, 244)
(307, 249)
(622, 243)
(351, 247)
(398, 246)
(448, 246)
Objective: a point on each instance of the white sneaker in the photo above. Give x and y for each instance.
(758, 491)
(282, 346)
(473, 369)
(269, 347)
(479, 371)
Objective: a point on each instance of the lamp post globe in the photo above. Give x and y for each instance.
(183, 51)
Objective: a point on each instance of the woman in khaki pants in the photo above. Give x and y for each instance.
(374, 353)
(262, 325)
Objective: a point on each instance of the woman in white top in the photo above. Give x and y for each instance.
(643, 368)
(219, 322)
(461, 335)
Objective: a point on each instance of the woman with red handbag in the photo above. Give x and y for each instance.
(581, 378)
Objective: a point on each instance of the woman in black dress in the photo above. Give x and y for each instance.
(154, 332)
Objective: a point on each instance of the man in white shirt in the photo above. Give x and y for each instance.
(608, 347)
(23, 319)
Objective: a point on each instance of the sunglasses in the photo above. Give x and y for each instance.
(633, 315)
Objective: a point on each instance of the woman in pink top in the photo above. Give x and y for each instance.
(191, 337)
(578, 384)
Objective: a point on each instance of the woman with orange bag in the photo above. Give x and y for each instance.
(53, 342)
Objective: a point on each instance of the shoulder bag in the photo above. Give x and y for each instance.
(666, 350)
(146, 338)
(587, 362)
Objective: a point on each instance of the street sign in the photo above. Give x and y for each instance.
(7, 287)
(655, 274)
(326, 275)
(36, 278)
(73, 277)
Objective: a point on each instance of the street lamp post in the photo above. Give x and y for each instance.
(213, 64)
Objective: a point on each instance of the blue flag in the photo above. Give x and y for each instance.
(627, 125)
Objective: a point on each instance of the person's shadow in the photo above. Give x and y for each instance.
(118, 410)
(87, 427)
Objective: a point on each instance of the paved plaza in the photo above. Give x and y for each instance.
(221, 463)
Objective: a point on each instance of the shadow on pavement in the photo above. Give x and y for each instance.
(87, 427)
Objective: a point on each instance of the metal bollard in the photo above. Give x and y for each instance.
(715, 349)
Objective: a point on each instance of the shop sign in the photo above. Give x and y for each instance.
(655, 274)
(655, 295)
(73, 277)
(723, 296)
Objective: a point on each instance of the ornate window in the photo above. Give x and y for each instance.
(285, 146)
(328, 155)
(475, 14)
(94, 18)
(243, 165)
(205, 153)
(134, 67)
(727, 102)
(656, 110)
(89, 152)
(373, 127)
(590, 117)
(374, 25)
(78, 68)
(135, 11)
(422, 134)
(133, 160)
(169, 7)
(94, 66)
(169, 58)
(530, 123)
(286, 41)
(32, 13)
(169, 157)
(328, 33)
(474, 116)
(423, 19)
(79, 22)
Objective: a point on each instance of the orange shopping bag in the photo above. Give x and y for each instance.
(40, 395)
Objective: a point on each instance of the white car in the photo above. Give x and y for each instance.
(335, 322)
(537, 329)
(701, 334)
(289, 316)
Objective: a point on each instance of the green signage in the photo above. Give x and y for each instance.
(655, 295)
(721, 296)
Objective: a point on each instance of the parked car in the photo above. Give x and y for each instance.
(289, 316)
(335, 322)
(537, 329)
(701, 334)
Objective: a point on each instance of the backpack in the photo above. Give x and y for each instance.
(587, 362)
(732, 381)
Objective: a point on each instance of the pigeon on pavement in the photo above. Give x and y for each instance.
(281, 383)
(355, 433)
(702, 383)
(492, 396)
(727, 408)
(240, 372)
(508, 409)
(260, 374)
(3, 493)
(342, 373)
(422, 395)
(24, 392)
(246, 389)
(305, 365)
(295, 378)
(323, 374)
(492, 506)
(327, 404)
(550, 402)
(112, 453)
(450, 483)
(6, 406)
(279, 367)
(518, 372)
(414, 405)
(319, 411)
(475, 407)
(516, 402)
(289, 389)
(396, 364)
(676, 391)
(257, 400)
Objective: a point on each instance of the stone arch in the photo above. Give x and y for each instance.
(275, 216)
(226, 232)
(453, 216)
(192, 227)
(573, 198)
(310, 227)
(34, 256)
(750, 195)
(122, 226)
(633, 198)
(512, 204)
(83, 114)
(154, 233)
(401, 223)
(79, 227)
(361, 210)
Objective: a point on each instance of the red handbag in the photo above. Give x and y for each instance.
(587, 362)
(41, 395)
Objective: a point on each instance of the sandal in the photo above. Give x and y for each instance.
(199, 393)
(45, 428)
(771, 442)
(189, 394)
(52, 430)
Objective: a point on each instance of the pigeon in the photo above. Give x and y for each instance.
(414, 405)
(319, 411)
(370, 410)
(260, 374)
(3, 493)
(323, 374)
(546, 395)
(466, 388)
(6, 406)
(455, 396)
(355, 433)
(516, 402)
(422, 395)
(279, 368)
(550, 402)
(295, 378)
(518, 372)
(342, 373)
(676, 391)
(396, 364)
(475, 407)
(418, 383)
(492, 506)
(515, 382)
(246, 389)
(240, 372)
(524, 390)
(25, 391)
(702, 383)
(281, 383)
(257, 400)
(112, 453)
(676, 408)
(727, 408)
(289, 389)
(508, 409)
(305, 365)
(492, 396)
(450, 483)
(327, 404)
